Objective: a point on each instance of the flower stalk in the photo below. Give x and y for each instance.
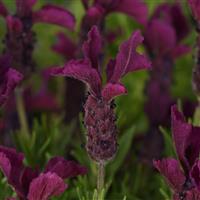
(21, 112)
(100, 177)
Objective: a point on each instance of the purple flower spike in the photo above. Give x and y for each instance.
(9, 79)
(45, 186)
(195, 7)
(54, 15)
(99, 115)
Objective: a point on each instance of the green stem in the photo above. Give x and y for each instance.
(100, 178)
(21, 113)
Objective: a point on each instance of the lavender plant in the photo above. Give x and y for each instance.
(99, 117)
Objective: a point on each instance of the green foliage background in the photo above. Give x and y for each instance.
(126, 177)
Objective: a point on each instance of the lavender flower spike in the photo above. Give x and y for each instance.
(99, 115)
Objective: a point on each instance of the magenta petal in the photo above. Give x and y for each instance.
(135, 8)
(26, 178)
(5, 165)
(181, 50)
(12, 78)
(45, 186)
(195, 7)
(128, 59)
(3, 10)
(170, 169)
(65, 46)
(82, 71)
(54, 15)
(93, 46)
(11, 162)
(64, 168)
(186, 138)
(14, 24)
(195, 173)
(181, 132)
(160, 37)
(110, 69)
(110, 91)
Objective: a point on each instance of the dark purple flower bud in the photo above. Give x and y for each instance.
(54, 15)
(195, 7)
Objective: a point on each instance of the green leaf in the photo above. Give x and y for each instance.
(124, 145)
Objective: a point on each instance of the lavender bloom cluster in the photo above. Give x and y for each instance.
(99, 116)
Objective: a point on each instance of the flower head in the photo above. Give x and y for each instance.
(31, 184)
(183, 177)
(99, 114)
